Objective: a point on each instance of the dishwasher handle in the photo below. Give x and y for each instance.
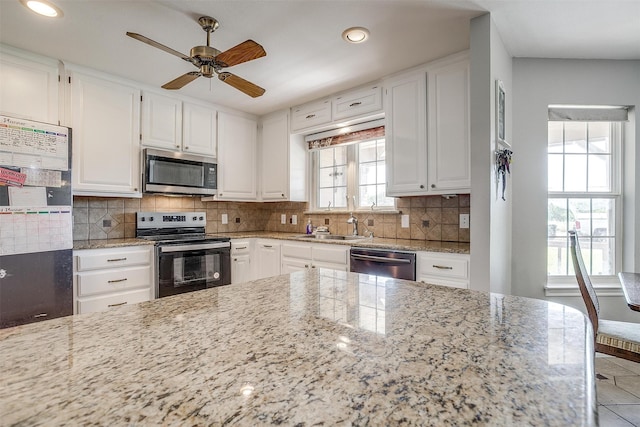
(380, 259)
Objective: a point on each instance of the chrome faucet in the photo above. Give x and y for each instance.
(353, 220)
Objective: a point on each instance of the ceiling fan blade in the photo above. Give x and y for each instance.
(181, 81)
(241, 84)
(245, 51)
(154, 43)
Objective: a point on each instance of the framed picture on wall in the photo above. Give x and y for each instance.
(501, 125)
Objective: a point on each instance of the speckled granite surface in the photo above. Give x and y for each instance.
(315, 347)
(376, 242)
(109, 243)
(396, 244)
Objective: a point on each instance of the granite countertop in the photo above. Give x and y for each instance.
(313, 347)
(376, 242)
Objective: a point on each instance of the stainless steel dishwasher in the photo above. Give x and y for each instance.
(384, 262)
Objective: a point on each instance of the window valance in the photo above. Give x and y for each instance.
(595, 113)
(345, 136)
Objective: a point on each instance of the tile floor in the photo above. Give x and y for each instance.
(618, 391)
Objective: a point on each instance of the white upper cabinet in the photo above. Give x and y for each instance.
(357, 102)
(283, 158)
(29, 87)
(199, 129)
(275, 158)
(104, 114)
(310, 115)
(406, 134)
(171, 124)
(448, 118)
(161, 121)
(237, 158)
(427, 129)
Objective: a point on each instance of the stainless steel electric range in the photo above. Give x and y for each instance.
(186, 258)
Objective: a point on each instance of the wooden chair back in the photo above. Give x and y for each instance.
(584, 282)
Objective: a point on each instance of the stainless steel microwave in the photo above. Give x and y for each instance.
(169, 172)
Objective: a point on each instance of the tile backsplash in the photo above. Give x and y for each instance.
(430, 217)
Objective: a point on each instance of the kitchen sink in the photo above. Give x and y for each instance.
(330, 237)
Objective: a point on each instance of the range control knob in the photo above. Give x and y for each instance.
(143, 219)
(195, 218)
(150, 218)
(201, 218)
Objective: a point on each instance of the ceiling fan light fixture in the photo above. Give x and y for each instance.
(355, 35)
(43, 7)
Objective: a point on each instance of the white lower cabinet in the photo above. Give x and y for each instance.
(443, 269)
(112, 277)
(241, 261)
(267, 256)
(300, 256)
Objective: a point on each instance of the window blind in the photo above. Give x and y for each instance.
(347, 135)
(596, 113)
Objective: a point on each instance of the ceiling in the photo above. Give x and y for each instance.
(306, 56)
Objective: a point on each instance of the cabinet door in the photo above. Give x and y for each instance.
(291, 265)
(161, 121)
(449, 140)
(237, 159)
(105, 117)
(275, 158)
(357, 103)
(199, 129)
(310, 115)
(28, 86)
(240, 268)
(406, 135)
(268, 257)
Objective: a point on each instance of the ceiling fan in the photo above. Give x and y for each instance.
(210, 61)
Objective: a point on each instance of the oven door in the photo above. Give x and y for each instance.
(185, 267)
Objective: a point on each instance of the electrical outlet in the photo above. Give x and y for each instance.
(283, 219)
(464, 220)
(237, 220)
(225, 219)
(294, 219)
(404, 221)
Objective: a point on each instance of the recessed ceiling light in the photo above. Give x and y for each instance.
(355, 34)
(43, 7)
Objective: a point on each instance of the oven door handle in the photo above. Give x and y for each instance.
(385, 260)
(193, 247)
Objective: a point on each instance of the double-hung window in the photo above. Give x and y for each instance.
(350, 173)
(584, 182)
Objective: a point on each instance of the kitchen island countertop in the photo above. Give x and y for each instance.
(318, 346)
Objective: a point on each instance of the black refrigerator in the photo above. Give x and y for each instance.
(36, 222)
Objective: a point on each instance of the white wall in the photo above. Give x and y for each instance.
(490, 215)
(538, 83)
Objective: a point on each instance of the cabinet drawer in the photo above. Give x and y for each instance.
(240, 248)
(110, 259)
(446, 266)
(330, 255)
(309, 115)
(357, 103)
(111, 280)
(88, 305)
(296, 251)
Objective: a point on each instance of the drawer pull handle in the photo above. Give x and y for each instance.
(442, 267)
(38, 316)
(241, 247)
(267, 246)
(117, 280)
(117, 304)
(117, 259)
(355, 104)
(310, 116)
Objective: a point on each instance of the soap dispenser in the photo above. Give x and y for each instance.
(309, 227)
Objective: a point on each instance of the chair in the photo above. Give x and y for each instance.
(620, 339)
